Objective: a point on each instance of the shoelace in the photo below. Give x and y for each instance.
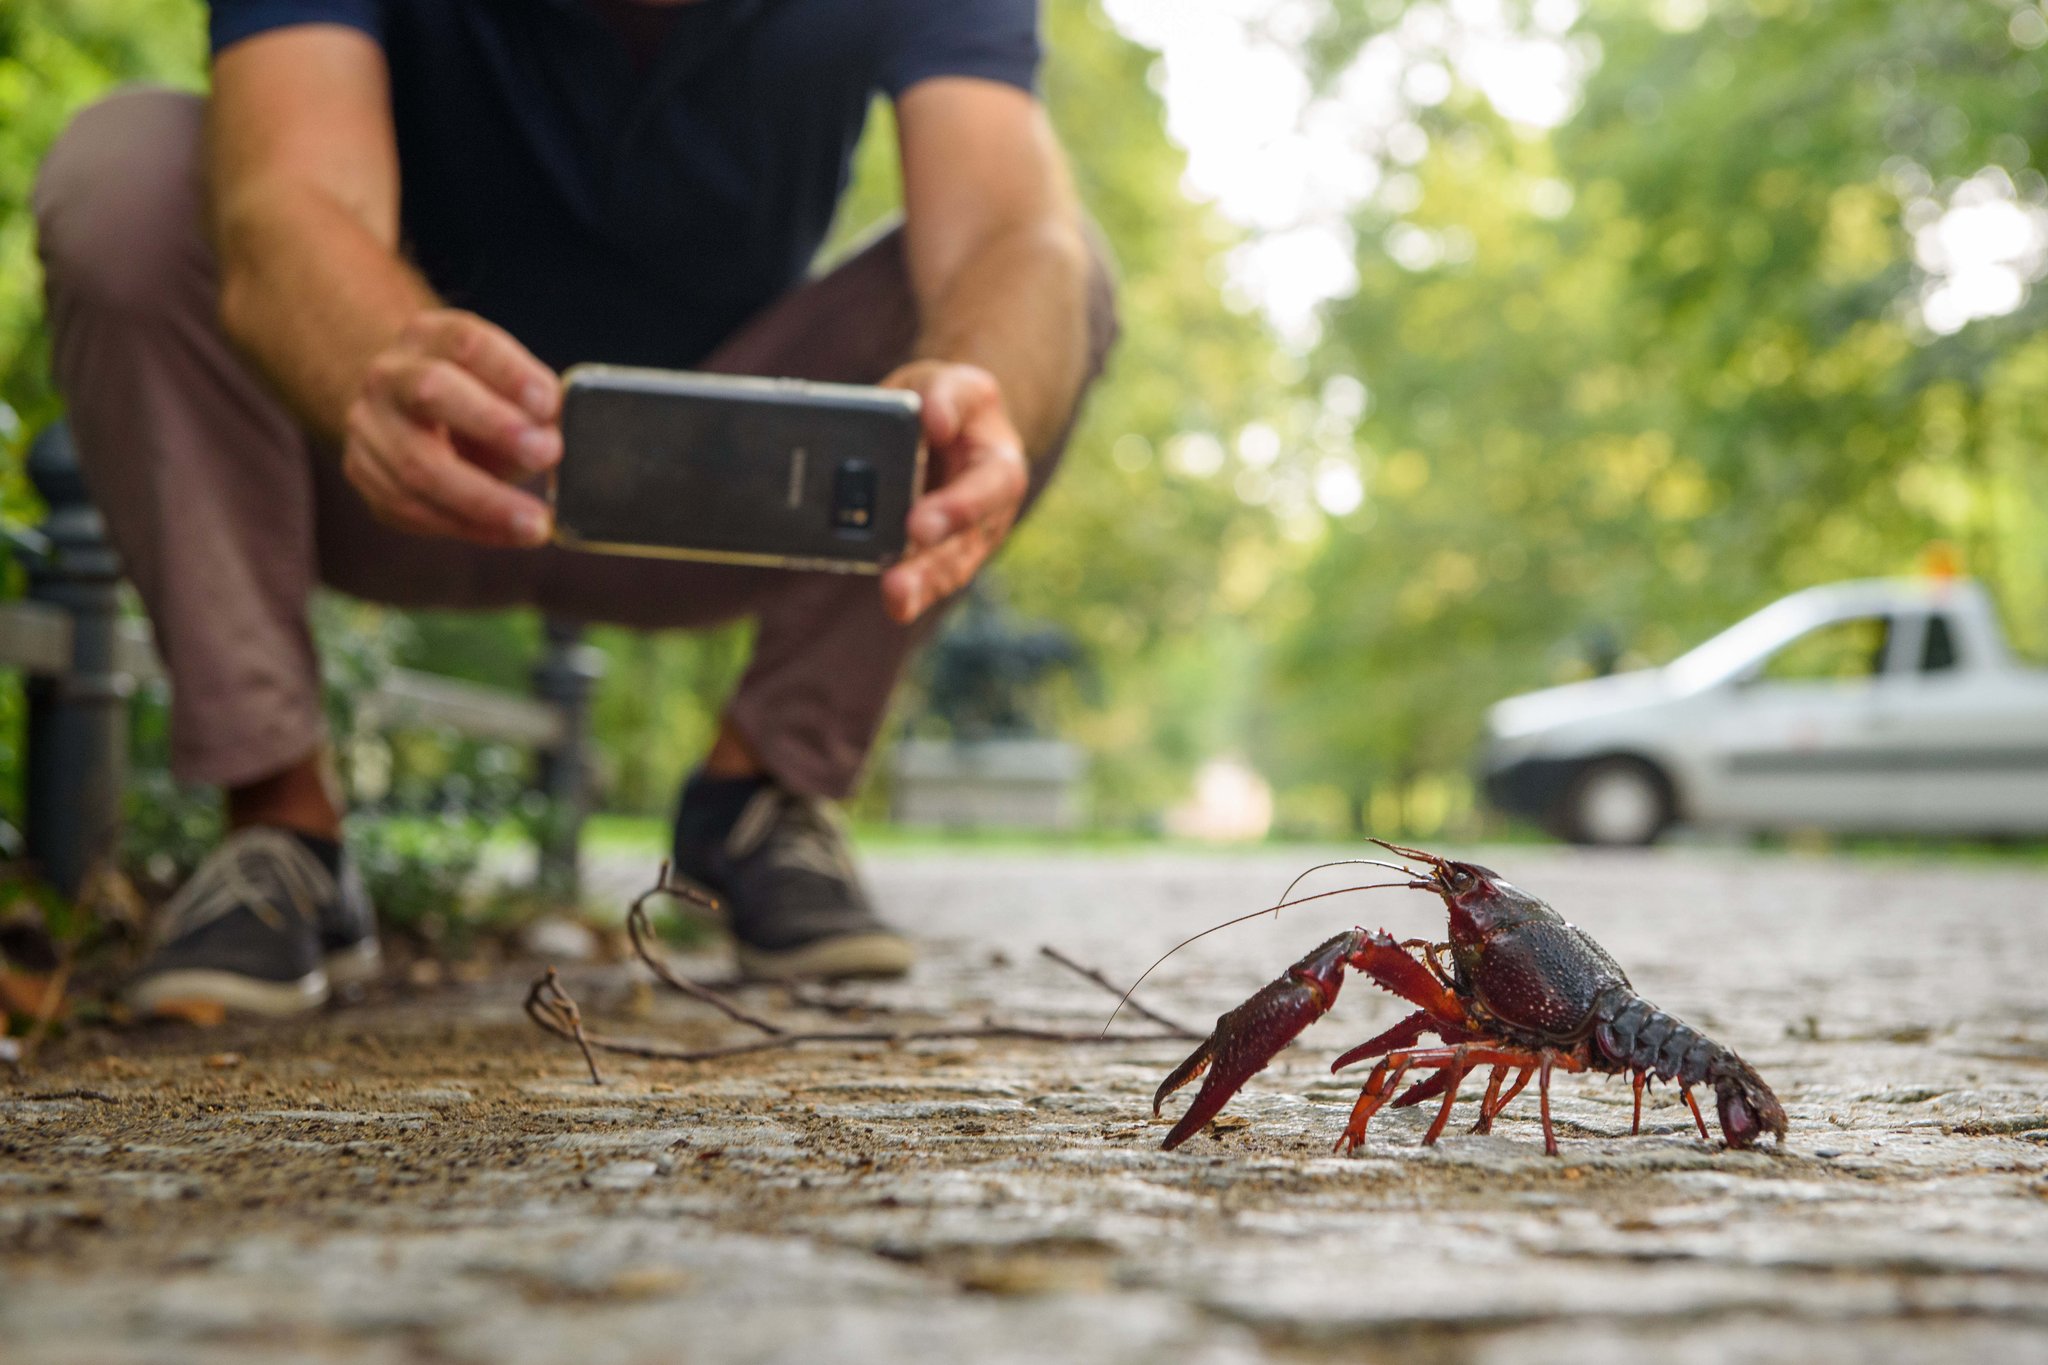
(254, 868)
(793, 832)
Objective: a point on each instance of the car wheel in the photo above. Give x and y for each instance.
(1617, 803)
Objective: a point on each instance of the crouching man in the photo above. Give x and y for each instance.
(309, 329)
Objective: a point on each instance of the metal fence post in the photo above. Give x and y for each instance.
(77, 759)
(564, 678)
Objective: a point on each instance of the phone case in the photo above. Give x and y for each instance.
(776, 472)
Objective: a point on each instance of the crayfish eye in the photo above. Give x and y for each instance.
(1460, 879)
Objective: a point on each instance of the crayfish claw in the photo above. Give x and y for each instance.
(1196, 1063)
(1251, 1035)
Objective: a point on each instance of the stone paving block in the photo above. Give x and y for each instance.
(427, 1177)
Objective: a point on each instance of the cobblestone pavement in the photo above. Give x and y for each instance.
(427, 1178)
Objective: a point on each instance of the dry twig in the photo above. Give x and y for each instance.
(640, 931)
(1132, 1005)
(551, 1007)
(557, 1014)
(548, 1005)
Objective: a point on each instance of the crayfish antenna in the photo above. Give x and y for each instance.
(1268, 910)
(1432, 859)
(1339, 862)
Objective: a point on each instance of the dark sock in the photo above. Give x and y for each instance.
(328, 851)
(710, 806)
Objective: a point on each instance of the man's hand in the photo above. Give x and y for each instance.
(446, 418)
(979, 477)
(437, 411)
(999, 267)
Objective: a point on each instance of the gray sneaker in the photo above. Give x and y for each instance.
(792, 896)
(348, 930)
(256, 929)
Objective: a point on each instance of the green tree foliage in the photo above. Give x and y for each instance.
(1629, 377)
(1706, 382)
(56, 56)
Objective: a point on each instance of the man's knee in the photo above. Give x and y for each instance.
(1103, 325)
(117, 201)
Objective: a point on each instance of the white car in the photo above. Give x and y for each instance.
(1884, 705)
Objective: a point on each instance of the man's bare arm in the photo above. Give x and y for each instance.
(434, 408)
(303, 187)
(1000, 267)
(997, 255)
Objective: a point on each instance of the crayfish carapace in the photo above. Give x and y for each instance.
(1524, 992)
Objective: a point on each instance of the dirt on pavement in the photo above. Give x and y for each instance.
(428, 1176)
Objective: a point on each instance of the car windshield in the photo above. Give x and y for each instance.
(1739, 646)
(1853, 650)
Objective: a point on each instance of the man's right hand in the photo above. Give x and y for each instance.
(446, 419)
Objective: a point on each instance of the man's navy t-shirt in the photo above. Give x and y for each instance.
(603, 208)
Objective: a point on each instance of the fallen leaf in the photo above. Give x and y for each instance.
(24, 993)
(1031, 1275)
(646, 1282)
(198, 1013)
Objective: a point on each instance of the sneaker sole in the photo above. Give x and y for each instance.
(354, 965)
(275, 999)
(830, 959)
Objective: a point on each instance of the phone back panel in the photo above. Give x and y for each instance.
(755, 471)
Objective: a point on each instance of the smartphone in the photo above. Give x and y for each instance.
(777, 472)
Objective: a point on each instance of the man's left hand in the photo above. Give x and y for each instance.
(979, 477)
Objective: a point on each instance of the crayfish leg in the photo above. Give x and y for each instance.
(1423, 1090)
(1492, 1098)
(1637, 1079)
(1407, 1033)
(1543, 1102)
(1521, 1084)
(1454, 1063)
(1381, 1083)
(1547, 1060)
(1697, 1117)
(1456, 1074)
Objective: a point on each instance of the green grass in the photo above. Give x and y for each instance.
(648, 835)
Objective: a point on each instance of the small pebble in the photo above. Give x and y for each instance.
(559, 940)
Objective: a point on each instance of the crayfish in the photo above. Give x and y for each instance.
(1523, 992)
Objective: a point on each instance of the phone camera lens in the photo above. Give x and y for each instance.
(853, 498)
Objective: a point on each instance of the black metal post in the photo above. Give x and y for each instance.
(565, 677)
(77, 724)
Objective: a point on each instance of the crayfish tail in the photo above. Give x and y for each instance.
(1637, 1036)
(1747, 1107)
